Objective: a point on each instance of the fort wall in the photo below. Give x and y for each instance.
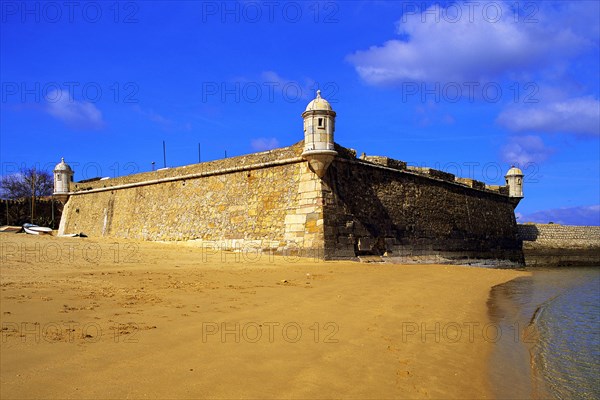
(267, 200)
(550, 245)
(555, 235)
(274, 202)
(418, 215)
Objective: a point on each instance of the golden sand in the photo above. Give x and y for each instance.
(87, 318)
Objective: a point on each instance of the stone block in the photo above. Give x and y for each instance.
(295, 228)
(312, 217)
(307, 186)
(295, 219)
(307, 209)
(397, 164)
(312, 229)
(478, 185)
(445, 176)
(307, 202)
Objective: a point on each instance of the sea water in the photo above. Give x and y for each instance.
(550, 347)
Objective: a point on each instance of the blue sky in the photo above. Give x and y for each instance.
(470, 88)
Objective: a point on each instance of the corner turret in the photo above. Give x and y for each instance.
(514, 181)
(63, 176)
(319, 125)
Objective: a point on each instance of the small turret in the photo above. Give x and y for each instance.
(514, 181)
(319, 125)
(63, 176)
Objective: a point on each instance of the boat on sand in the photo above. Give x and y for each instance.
(36, 230)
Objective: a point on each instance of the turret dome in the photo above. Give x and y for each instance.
(514, 171)
(62, 166)
(318, 103)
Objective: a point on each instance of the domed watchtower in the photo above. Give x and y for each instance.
(63, 176)
(319, 124)
(514, 181)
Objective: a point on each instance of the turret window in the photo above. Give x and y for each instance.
(321, 123)
(58, 177)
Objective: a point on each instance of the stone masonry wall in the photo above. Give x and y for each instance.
(229, 204)
(249, 161)
(560, 236)
(371, 209)
(550, 245)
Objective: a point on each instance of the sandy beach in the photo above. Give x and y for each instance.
(88, 318)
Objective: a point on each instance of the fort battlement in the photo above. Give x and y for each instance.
(223, 166)
(266, 159)
(285, 155)
(431, 173)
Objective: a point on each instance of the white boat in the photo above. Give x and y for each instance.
(10, 229)
(36, 230)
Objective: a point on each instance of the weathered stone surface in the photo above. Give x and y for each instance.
(434, 173)
(227, 209)
(386, 162)
(423, 215)
(550, 245)
(475, 184)
(555, 235)
(250, 161)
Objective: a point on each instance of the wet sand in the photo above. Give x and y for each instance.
(549, 319)
(510, 310)
(87, 318)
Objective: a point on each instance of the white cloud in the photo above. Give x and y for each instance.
(580, 116)
(289, 89)
(164, 123)
(272, 76)
(582, 215)
(522, 150)
(78, 115)
(436, 47)
(262, 144)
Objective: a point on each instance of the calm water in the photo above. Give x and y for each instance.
(551, 335)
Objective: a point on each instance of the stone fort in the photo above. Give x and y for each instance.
(314, 198)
